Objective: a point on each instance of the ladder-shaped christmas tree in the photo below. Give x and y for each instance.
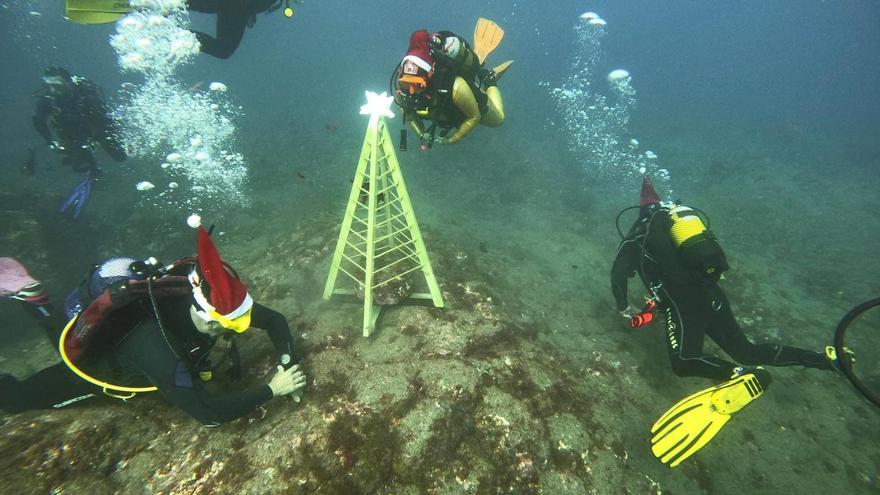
(380, 247)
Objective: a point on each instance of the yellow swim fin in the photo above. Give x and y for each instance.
(690, 424)
(487, 37)
(95, 11)
(501, 68)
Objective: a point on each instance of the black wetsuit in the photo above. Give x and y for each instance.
(50, 388)
(80, 121)
(167, 364)
(695, 306)
(233, 16)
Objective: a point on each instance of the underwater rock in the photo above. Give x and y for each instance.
(465, 399)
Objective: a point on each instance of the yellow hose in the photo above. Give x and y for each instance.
(104, 385)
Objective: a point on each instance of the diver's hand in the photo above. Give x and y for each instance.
(287, 381)
(629, 312)
(441, 140)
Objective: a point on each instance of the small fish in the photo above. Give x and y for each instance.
(301, 175)
(29, 165)
(330, 127)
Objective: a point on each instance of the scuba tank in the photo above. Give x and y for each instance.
(697, 245)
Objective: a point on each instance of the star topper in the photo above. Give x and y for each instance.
(377, 106)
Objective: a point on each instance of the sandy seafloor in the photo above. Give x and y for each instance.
(528, 381)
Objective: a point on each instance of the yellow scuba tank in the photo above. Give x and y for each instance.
(697, 245)
(685, 224)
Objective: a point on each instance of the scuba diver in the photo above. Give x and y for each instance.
(680, 262)
(443, 81)
(233, 16)
(157, 328)
(74, 109)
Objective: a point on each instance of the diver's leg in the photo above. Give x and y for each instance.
(113, 148)
(51, 388)
(203, 6)
(52, 322)
(232, 20)
(727, 333)
(494, 115)
(686, 320)
(82, 159)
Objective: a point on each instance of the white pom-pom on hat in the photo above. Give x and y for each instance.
(194, 221)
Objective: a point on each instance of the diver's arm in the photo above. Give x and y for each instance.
(213, 409)
(40, 120)
(463, 98)
(624, 268)
(276, 326)
(147, 351)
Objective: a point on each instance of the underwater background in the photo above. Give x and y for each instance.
(763, 113)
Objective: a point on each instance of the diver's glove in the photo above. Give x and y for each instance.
(289, 381)
(629, 312)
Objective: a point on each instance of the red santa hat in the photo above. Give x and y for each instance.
(649, 195)
(419, 51)
(229, 298)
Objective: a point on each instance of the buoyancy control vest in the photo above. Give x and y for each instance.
(116, 297)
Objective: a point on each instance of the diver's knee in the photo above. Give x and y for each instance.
(498, 120)
(222, 53)
(679, 366)
(493, 118)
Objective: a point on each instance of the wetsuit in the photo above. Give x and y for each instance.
(80, 121)
(695, 306)
(233, 16)
(50, 388)
(166, 360)
(456, 101)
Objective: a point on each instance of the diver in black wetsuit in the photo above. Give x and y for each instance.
(173, 365)
(73, 108)
(233, 16)
(686, 287)
(162, 332)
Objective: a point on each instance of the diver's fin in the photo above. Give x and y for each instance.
(499, 69)
(95, 11)
(487, 37)
(694, 421)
